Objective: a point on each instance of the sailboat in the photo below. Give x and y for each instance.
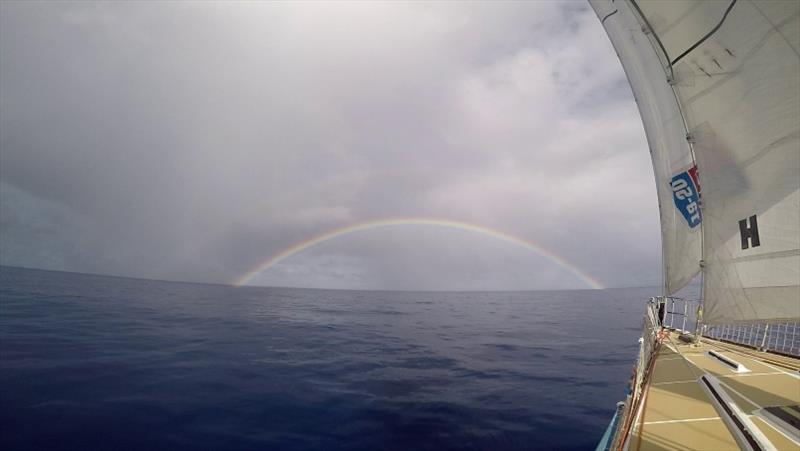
(717, 84)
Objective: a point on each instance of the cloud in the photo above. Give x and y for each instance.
(193, 141)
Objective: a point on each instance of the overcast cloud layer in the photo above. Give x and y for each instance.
(191, 141)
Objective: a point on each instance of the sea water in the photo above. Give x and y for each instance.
(90, 362)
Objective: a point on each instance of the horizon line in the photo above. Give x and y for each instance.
(224, 284)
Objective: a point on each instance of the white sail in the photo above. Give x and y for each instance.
(666, 137)
(734, 69)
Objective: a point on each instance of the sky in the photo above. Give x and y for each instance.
(198, 141)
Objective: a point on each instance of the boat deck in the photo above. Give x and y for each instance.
(678, 412)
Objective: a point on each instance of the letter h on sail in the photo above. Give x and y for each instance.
(749, 232)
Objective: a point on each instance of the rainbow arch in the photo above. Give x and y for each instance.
(388, 222)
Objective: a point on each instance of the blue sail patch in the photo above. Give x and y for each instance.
(686, 194)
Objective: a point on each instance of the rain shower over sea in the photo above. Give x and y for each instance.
(96, 362)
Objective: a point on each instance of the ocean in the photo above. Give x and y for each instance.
(97, 362)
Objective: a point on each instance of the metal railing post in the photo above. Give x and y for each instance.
(764, 340)
(685, 313)
(785, 336)
(672, 313)
(776, 332)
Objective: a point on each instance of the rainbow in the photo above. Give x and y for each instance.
(388, 222)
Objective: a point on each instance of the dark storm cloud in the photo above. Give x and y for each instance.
(193, 140)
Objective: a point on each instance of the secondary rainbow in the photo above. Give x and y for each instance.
(435, 222)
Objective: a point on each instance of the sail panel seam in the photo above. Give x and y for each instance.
(770, 147)
(768, 255)
(776, 27)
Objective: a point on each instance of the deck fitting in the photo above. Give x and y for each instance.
(736, 366)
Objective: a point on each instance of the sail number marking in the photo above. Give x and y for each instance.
(686, 194)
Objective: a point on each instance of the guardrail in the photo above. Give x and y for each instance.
(677, 313)
(780, 337)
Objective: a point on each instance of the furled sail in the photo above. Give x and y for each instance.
(730, 72)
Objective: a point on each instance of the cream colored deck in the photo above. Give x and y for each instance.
(677, 413)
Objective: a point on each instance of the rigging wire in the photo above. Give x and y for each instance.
(603, 20)
(708, 35)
